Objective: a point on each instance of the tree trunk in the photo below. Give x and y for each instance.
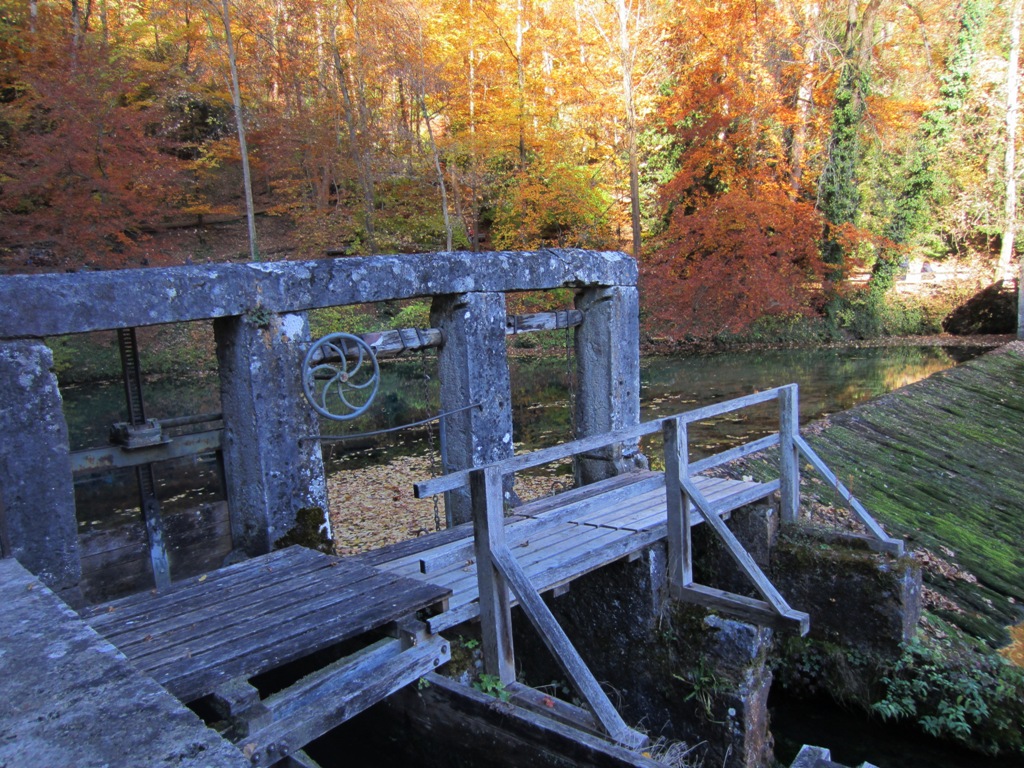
(522, 26)
(1010, 161)
(804, 97)
(236, 98)
(626, 53)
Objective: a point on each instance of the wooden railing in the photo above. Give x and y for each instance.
(498, 571)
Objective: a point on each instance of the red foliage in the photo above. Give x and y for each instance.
(83, 169)
(739, 257)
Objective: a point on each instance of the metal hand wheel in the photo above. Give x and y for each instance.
(340, 376)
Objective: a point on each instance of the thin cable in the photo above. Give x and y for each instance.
(332, 438)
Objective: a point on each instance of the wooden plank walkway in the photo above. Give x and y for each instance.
(210, 634)
(556, 539)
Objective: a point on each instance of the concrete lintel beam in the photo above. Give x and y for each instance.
(36, 306)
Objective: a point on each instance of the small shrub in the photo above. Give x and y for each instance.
(957, 691)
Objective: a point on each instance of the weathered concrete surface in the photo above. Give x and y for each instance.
(272, 468)
(856, 598)
(38, 498)
(69, 698)
(473, 368)
(36, 306)
(608, 365)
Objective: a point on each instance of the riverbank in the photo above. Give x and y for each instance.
(701, 347)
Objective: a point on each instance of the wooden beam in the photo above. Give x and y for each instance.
(680, 553)
(325, 699)
(491, 733)
(736, 550)
(495, 609)
(460, 479)
(789, 462)
(743, 608)
(733, 454)
(565, 654)
(399, 340)
(885, 542)
(554, 708)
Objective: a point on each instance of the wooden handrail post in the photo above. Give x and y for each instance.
(789, 460)
(677, 502)
(487, 501)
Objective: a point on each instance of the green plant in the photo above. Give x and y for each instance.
(492, 686)
(259, 316)
(956, 690)
(704, 687)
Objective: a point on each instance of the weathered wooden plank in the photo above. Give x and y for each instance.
(113, 457)
(789, 461)
(236, 574)
(543, 321)
(218, 614)
(401, 340)
(459, 479)
(330, 696)
(742, 497)
(887, 543)
(197, 603)
(267, 648)
(603, 546)
(246, 620)
(562, 649)
(680, 556)
(537, 458)
(628, 481)
(576, 503)
(495, 617)
(741, 607)
(617, 516)
(551, 706)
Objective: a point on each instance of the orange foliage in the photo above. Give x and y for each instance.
(84, 167)
(739, 257)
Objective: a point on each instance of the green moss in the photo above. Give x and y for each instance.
(307, 532)
(939, 462)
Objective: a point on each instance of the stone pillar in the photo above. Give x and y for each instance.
(473, 368)
(272, 471)
(608, 376)
(37, 513)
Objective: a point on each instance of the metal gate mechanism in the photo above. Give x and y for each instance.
(340, 376)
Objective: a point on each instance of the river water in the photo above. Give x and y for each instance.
(830, 380)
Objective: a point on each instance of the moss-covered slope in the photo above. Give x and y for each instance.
(941, 462)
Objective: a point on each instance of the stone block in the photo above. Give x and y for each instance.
(272, 462)
(37, 497)
(473, 368)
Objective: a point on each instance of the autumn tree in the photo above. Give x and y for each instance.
(83, 164)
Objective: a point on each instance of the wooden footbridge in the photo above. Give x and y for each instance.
(345, 633)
